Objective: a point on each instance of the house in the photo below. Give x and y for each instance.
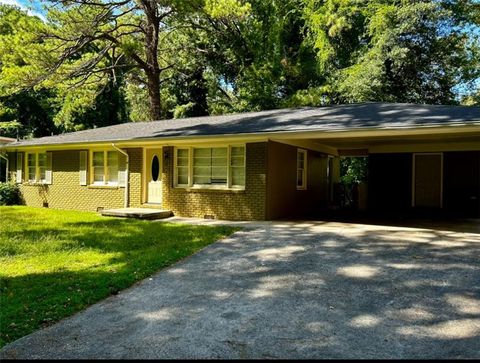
(260, 165)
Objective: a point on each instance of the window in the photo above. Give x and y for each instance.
(83, 167)
(237, 166)
(106, 167)
(210, 166)
(222, 167)
(112, 167)
(301, 169)
(99, 167)
(181, 166)
(38, 168)
(32, 167)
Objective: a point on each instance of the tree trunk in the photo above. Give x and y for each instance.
(153, 84)
(150, 8)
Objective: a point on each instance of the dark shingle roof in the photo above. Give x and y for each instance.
(330, 118)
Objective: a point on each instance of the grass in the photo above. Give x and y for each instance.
(55, 263)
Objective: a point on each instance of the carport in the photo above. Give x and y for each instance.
(426, 165)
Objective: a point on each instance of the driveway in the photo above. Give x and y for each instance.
(290, 290)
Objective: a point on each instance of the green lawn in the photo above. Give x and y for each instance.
(55, 263)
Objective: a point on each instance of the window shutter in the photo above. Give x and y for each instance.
(48, 172)
(122, 170)
(83, 168)
(19, 177)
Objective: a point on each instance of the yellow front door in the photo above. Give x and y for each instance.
(154, 176)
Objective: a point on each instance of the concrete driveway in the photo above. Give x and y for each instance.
(290, 290)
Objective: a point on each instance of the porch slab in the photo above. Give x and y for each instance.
(139, 213)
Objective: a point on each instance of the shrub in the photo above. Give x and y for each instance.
(10, 194)
(353, 170)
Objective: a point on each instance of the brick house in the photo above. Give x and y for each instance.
(260, 166)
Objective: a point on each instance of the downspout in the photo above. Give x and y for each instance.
(127, 175)
(6, 168)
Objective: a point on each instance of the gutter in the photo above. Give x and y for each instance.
(127, 175)
(6, 168)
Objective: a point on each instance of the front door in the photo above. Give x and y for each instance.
(427, 181)
(154, 175)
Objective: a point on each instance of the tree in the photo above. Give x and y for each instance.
(255, 61)
(101, 62)
(27, 114)
(22, 112)
(94, 41)
(472, 99)
(395, 51)
(47, 108)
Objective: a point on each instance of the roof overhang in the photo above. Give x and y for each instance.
(6, 140)
(352, 134)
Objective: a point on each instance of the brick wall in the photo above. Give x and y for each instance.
(248, 204)
(65, 192)
(136, 167)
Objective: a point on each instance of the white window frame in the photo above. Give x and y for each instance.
(191, 185)
(105, 168)
(37, 179)
(230, 167)
(304, 170)
(189, 167)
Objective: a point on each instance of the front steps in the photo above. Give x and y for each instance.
(151, 206)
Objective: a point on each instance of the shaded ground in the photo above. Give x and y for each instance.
(291, 290)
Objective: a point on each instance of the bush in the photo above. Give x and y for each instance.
(10, 194)
(353, 170)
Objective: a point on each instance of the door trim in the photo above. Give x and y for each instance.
(145, 170)
(441, 176)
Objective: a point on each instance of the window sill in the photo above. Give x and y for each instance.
(31, 183)
(100, 186)
(212, 190)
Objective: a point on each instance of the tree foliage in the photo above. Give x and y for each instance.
(353, 170)
(101, 62)
(395, 51)
(23, 112)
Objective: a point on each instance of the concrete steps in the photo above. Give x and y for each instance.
(151, 206)
(138, 213)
